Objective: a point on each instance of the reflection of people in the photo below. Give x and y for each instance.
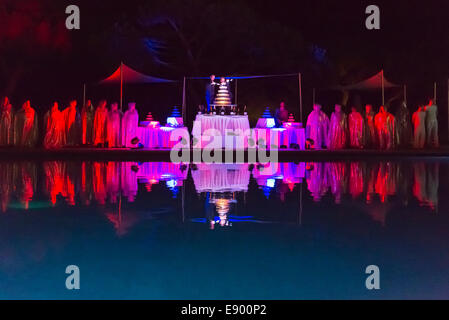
(337, 129)
(100, 124)
(419, 128)
(281, 115)
(317, 127)
(338, 179)
(25, 126)
(384, 123)
(210, 92)
(432, 125)
(130, 122)
(402, 126)
(355, 129)
(317, 181)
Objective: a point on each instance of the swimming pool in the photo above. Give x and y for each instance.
(157, 230)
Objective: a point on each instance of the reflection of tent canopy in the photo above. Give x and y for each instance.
(126, 74)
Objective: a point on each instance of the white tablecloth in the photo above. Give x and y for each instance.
(221, 177)
(203, 123)
(215, 131)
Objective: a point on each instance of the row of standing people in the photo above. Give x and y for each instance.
(382, 131)
(69, 127)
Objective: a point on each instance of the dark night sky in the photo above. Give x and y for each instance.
(412, 45)
(413, 35)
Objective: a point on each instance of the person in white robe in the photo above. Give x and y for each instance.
(419, 128)
(55, 135)
(317, 127)
(113, 127)
(432, 125)
(338, 129)
(130, 122)
(72, 124)
(25, 126)
(355, 129)
(6, 124)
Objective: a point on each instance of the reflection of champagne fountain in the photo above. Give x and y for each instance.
(222, 201)
(222, 206)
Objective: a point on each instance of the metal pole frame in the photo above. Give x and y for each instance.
(121, 86)
(383, 89)
(300, 97)
(184, 100)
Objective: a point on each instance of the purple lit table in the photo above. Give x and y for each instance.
(161, 137)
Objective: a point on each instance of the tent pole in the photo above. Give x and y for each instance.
(434, 92)
(405, 94)
(300, 97)
(300, 204)
(383, 89)
(84, 95)
(183, 201)
(121, 86)
(183, 99)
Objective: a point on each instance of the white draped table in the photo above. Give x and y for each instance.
(217, 131)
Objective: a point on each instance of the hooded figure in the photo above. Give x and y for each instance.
(72, 124)
(317, 127)
(403, 127)
(129, 125)
(113, 127)
(384, 124)
(100, 119)
(369, 130)
(54, 128)
(87, 123)
(419, 128)
(432, 125)
(25, 126)
(6, 124)
(338, 129)
(355, 129)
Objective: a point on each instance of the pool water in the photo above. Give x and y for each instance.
(224, 231)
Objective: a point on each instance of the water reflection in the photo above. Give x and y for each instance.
(320, 219)
(220, 184)
(384, 180)
(83, 183)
